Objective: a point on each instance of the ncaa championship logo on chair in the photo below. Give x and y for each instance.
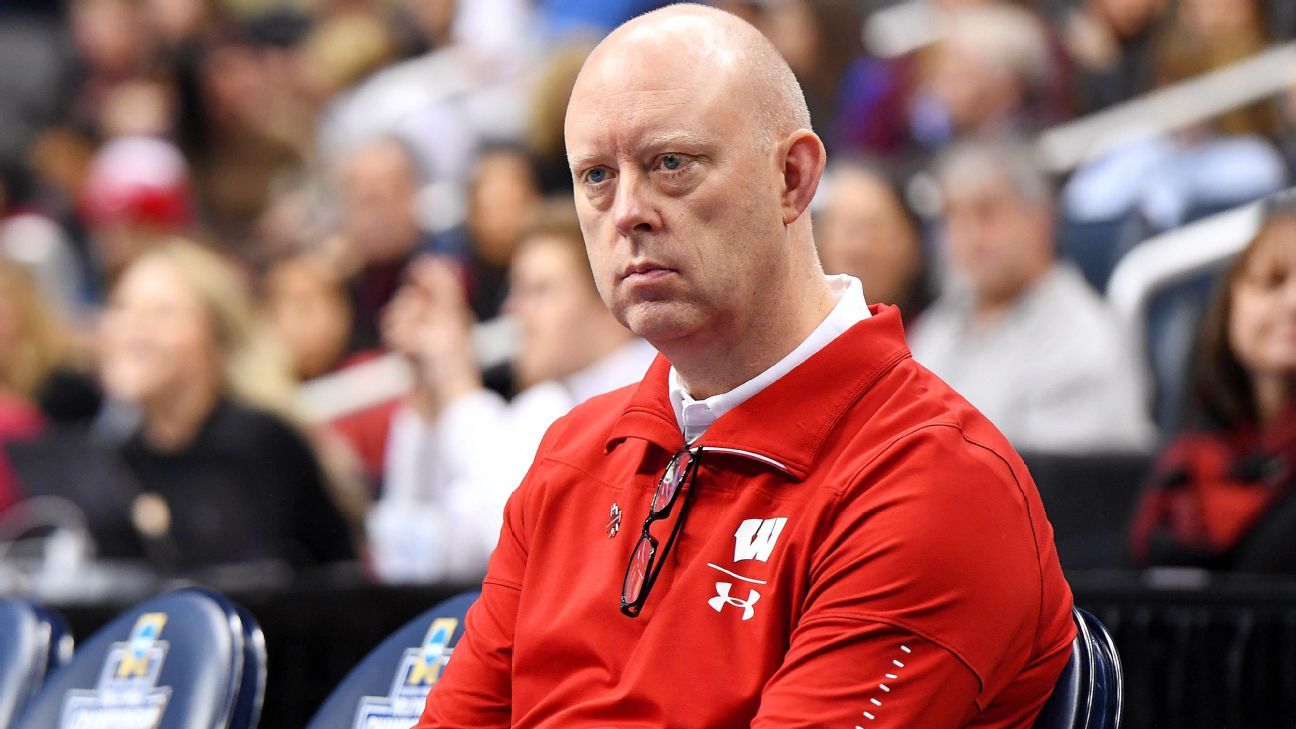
(419, 669)
(127, 695)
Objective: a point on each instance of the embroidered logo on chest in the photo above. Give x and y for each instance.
(754, 540)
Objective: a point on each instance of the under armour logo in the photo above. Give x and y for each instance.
(722, 598)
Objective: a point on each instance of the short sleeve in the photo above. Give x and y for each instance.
(925, 594)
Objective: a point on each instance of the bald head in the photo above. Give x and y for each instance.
(709, 47)
(693, 161)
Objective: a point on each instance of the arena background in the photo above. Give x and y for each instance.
(320, 147)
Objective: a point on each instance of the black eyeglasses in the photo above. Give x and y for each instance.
(645, 561)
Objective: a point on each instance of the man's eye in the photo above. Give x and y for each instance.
(596, 175)
(672, 161)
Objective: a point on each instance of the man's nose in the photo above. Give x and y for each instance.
(632, 210)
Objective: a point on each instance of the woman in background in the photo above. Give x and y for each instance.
(221, 479)
(1224, 491)
(865, 229)
(33, 344)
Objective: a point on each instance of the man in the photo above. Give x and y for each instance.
(1025, 339)
(834, 537)
(378, 229)
(457, 450)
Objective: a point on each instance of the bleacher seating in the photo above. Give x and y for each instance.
(178, 661)
(34, 642)
(393, 681)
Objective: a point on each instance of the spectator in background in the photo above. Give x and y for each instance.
(113, 45)
(33, 345)
(990, 71)
(503, 197)
(309, 312)
(458, 450)
(552, 91)
(30, 237)
(38, 96)
(137, 192)
(1223, 494)
(1020, 334)
(821, 41)
(221, 479)
(248, 121)
(1174, 178)
(1110, 43)
(378, 231)
(865, 229)
(988, 74)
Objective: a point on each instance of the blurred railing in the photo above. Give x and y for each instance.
(1169, 109)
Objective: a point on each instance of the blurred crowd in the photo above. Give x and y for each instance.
(205, 204)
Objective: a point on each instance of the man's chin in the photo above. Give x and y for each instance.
(661, 321)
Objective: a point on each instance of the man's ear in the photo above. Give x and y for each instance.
(803, 158)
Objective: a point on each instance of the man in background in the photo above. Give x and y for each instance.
(1021, 334)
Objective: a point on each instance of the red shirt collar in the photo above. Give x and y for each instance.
(788, 421)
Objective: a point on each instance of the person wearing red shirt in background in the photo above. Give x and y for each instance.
(788, 522)
(1223, 495)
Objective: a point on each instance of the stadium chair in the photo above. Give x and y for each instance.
(178, 661)
(1160, 290)
(391, 684)
(252, 684)
(34, 642)
(1089, 693)
(1095, 245)
(1174, 318)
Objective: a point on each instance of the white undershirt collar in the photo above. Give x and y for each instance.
(695, 416)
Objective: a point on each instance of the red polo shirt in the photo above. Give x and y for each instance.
(863, 550)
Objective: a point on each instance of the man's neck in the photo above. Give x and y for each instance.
(710, 365)
(989, 307)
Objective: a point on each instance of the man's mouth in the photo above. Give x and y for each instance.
(645, 272)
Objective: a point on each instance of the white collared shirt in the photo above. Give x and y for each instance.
(695, 416)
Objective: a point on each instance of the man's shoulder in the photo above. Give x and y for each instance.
(913, 410)
(589, 424)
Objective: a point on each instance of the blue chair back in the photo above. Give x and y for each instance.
(247, 708)
(1174, 320)
(252, 683)
(391, 684)
(1090, 692)
(173, 662)
(1095, 246)
(34, 642)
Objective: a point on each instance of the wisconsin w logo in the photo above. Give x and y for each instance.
(755, 538)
